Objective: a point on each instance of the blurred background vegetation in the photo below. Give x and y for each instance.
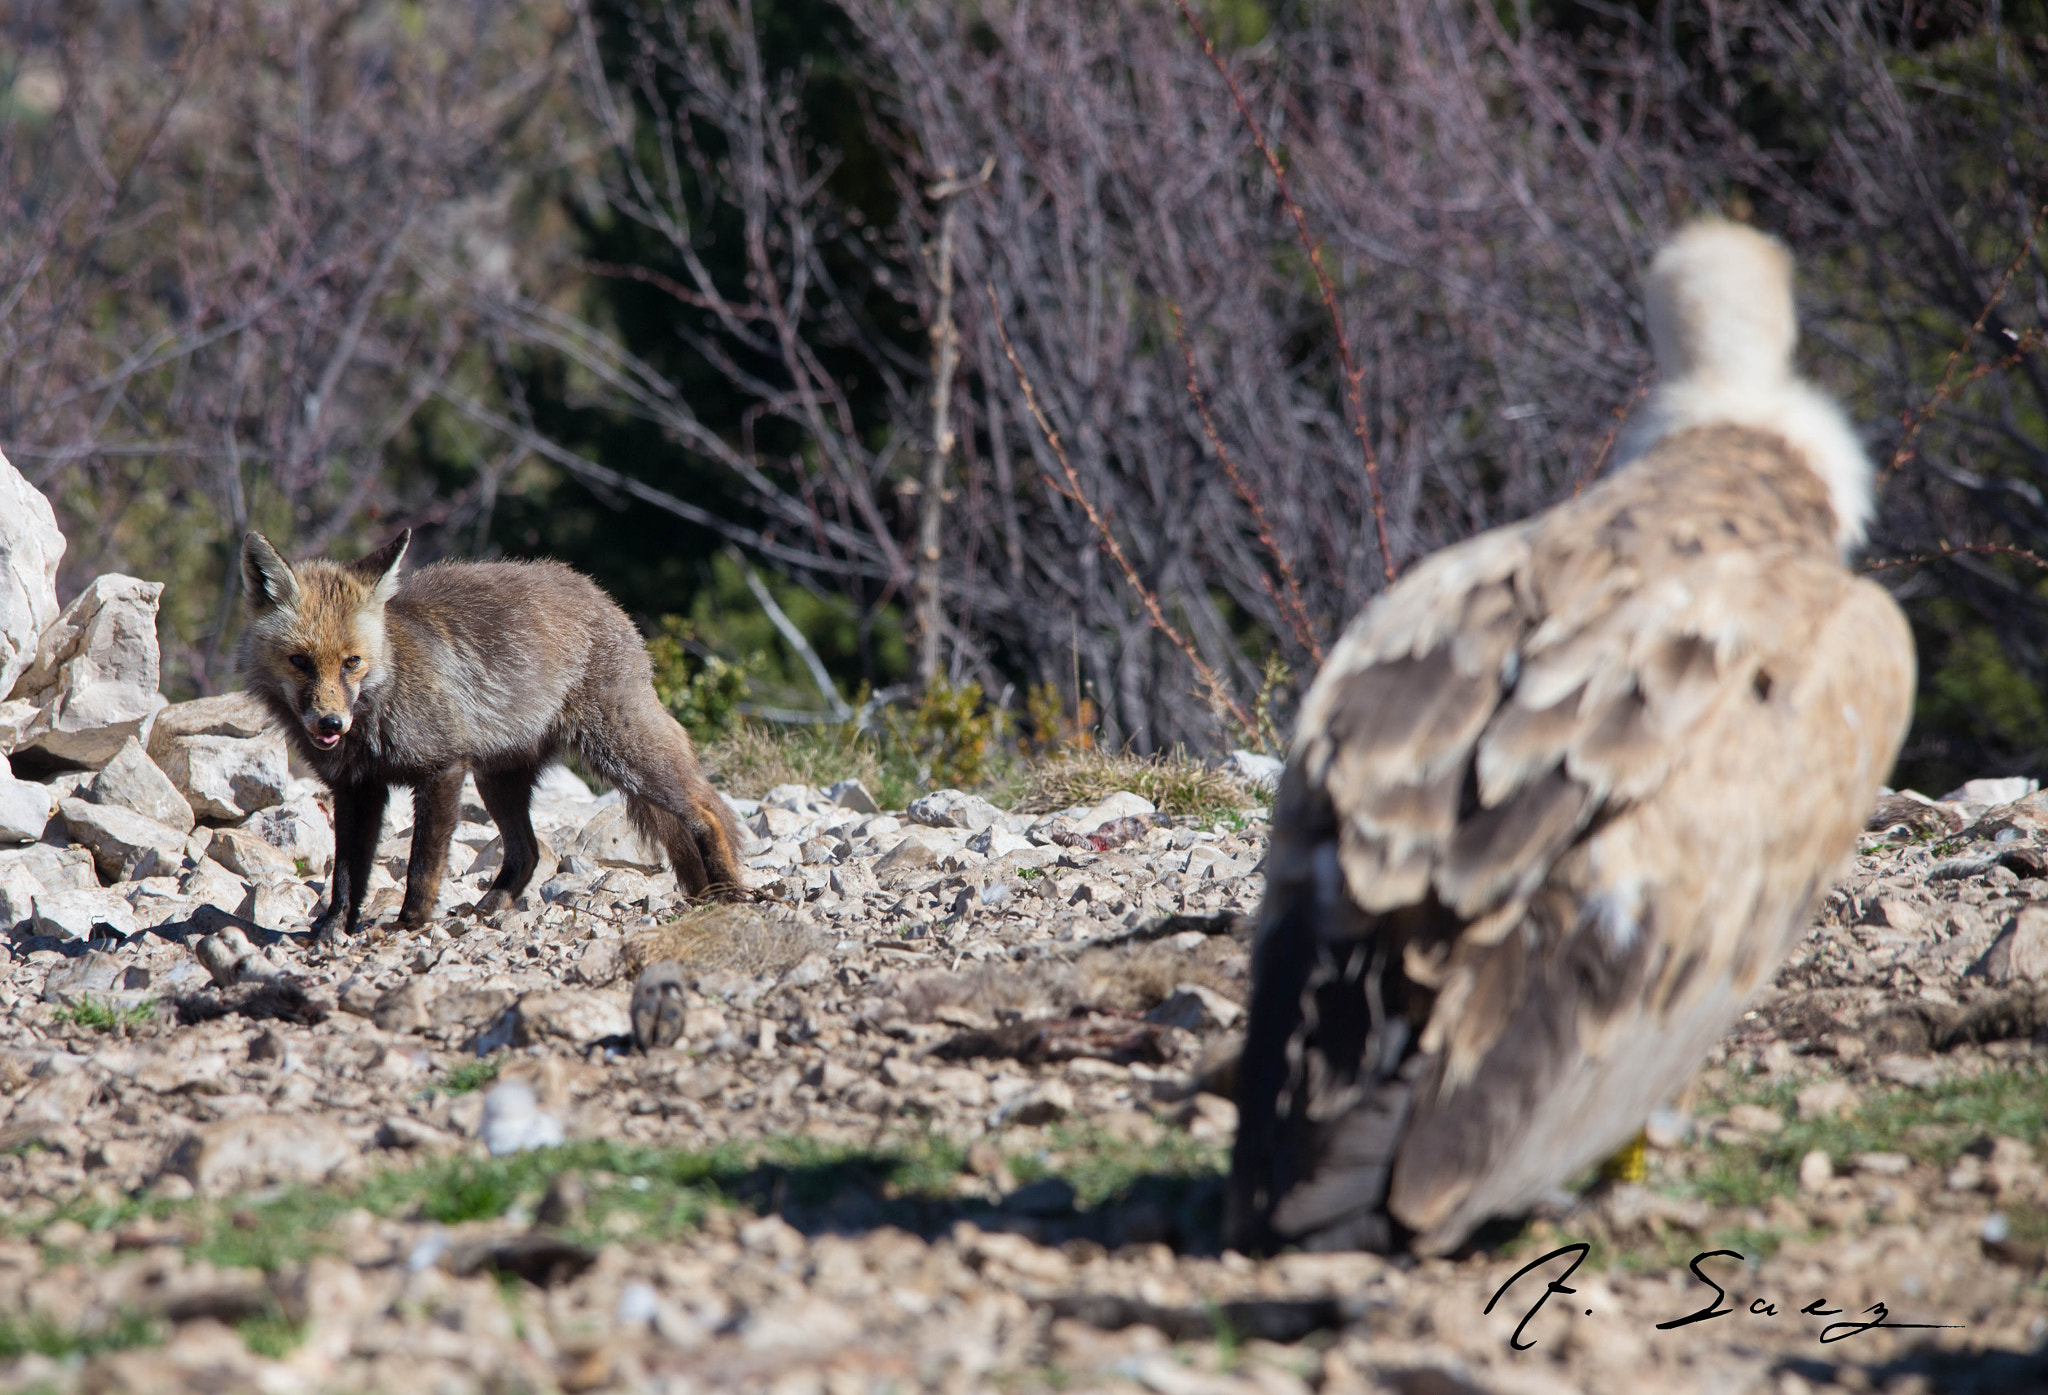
(656, 287)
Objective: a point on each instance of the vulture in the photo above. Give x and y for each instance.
(1565, 796)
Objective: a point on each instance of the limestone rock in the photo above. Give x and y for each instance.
(513, 1120)
(953, 809)
(490, 859)
(918, 853)
(93, 682)
(30, 546)
(56, 869)
(852, 794)
(124, 844)
(111, 979)
(226, 778)
(84, 915)
(299, 829)
(237, 1154)
(573, 1015)
(224, 714)
(132, 780)
(1260, 772)
(210, 884)
(1122, 804)
(2021, 949)
(245, 852)
(18, 892)
(610, 840)
(24, 807)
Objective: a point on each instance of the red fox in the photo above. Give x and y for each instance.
(489, 667)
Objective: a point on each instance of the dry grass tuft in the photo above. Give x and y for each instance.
(754, 757)
(1176, 783)
(733, 937)
(1127, 978)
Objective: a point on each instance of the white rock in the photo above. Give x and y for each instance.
(299, 829)
(490, 860)
(84, 915)
(124, 844)
(57, 869)
(30, 546)
(1989, 794)
(852, 794)
(25, 807)
(774, 821)
(574, 1015)
(132, 780)
(226, 778)
(93, 682)
(795, 798)
(610, 840)
(224, 714)
(18, 892)
(513, 1121)
(994, 842)
(953, 809)
(919, 850)
(248, 855)
(560, 783)
(210, 884)
(1122, 804)
(1260, 772)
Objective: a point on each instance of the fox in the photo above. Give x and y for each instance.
(489, 668)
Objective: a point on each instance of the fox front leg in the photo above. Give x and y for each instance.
(358, 819)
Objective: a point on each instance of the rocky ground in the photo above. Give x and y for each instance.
(938, 1119)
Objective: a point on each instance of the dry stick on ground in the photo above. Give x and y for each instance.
(1947, 389)
(1352, 374)
(1290, 602)
(1220, 700)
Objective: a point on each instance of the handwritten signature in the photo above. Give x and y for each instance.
(1833, 1332)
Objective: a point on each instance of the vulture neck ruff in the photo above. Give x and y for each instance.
(1719, 306)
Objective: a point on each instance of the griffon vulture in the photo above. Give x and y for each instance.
(1565, 796)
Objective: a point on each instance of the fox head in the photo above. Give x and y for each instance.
(316, 632)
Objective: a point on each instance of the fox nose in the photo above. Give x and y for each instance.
(329, 725)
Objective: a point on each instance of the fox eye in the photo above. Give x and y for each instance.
(302, 663)
(353, 661)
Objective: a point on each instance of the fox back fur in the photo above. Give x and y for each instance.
(484, 667)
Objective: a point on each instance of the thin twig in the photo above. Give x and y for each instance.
(1881, 564)
(795, 637)
(1947, 390)
(1219, 697)
(1621, 416)
(1352, 374)
(1288, 599)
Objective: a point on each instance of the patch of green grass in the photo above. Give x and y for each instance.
(21, 1335)
(651, 1194)
(1027, 874)
(470, 1075)
(100, 1016)
(1104, 1169)
(1931, 1125)
(271, 1335)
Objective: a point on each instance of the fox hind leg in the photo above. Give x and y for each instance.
(508, 794)
(637, 746)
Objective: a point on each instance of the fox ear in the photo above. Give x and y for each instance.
(383, 565)
(267, 580)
